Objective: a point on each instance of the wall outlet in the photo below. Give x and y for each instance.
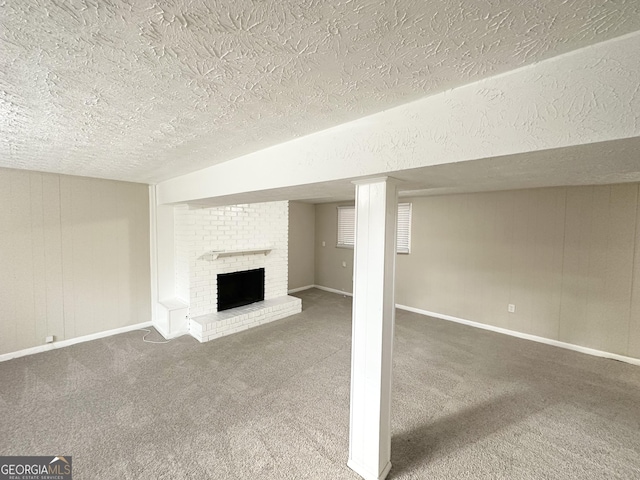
(511, 308)
(324, 244)
(48, 339)
(344, 264)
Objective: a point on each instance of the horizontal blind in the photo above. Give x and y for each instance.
(346, 226)
(404, 228)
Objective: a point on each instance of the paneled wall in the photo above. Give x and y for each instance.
(302, 228)
(568, 258)
(565, 257)
(74, 257)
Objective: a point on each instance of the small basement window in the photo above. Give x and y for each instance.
(347, 227)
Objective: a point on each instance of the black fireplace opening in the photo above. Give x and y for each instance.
(240, 288)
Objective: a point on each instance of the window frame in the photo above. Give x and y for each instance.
(345, 233)
(403, 228)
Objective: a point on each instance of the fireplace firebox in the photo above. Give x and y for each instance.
(240, 288)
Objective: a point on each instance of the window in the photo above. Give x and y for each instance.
(403, 235)
(347, 227)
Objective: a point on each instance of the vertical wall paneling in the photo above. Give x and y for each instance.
(106, 234)
(575, 275)
(618, 272)
(634, 314)
(38, 272)
(121, 243)
(67, 242)
(596, 259)
(52, 236)
(21, 220)
(85, 275)
(568, 258)
(498, 254)
(469, 254)
(74, 253)
(137, 226)
(8, 325)
(598, 266)
(536, 264)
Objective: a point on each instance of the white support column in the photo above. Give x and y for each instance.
(373, 326)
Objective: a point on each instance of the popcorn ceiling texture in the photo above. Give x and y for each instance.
(538, 112)
(144, 91)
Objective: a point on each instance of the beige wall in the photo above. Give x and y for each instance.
(329, 258)
(74, 257)
(302, 226)
(566, 257)
(563, 256)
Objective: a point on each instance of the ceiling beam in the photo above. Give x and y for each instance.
(582, 97)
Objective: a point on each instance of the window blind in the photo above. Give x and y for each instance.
(404, 228)
(346, 226)
(347, 230)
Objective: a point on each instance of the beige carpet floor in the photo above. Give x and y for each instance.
(273, 403)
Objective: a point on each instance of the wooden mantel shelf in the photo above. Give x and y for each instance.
(215, 254)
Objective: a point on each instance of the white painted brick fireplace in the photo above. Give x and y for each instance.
(211, 241)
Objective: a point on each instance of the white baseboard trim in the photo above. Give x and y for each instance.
(72, 341)
(526, 336)
(300, 289)
(333, 290)
(320, 287)
(168, 336)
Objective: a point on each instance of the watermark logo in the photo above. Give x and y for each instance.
(36, 468)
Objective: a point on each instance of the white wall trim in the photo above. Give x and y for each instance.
(153, 251)
(505, 331)
(300, 289)
(333, 290)
(72, 341)
(525, 336)
(320, 287)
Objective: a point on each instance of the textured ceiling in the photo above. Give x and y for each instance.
(144, 90)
